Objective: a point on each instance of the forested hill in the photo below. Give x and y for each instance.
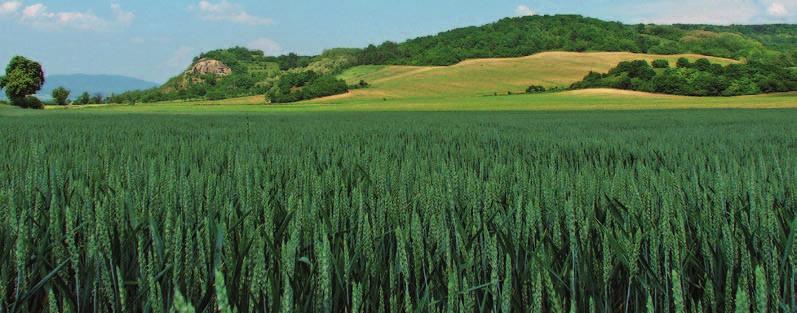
(237, 72)
(512, 37)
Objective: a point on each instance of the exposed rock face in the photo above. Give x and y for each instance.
(209, 66)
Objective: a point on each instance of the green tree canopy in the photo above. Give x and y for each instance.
(23, 77)
(661, 63)
(97, 98)
(61, 95)
(701, 78)
(84, 98)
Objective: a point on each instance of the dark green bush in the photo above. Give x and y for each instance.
(661, 63)
(29, 102)
(535, 89)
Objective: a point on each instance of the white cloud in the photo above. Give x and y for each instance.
(230, 12)
(34, 10)
(122, 17)
(268, 46)
(39, 16)
(9, 7)
(777, 9)
(523, 10)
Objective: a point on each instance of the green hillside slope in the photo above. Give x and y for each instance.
(488, 77)
(253, 73)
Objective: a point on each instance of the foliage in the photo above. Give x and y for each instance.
(514, 37)
(61, 96)
(397, 212)
(777, 37)
(660, 64)
(239, 58)
(97, 99)
(639, 69)
(293, 87)
(255, 73)
(701, 78)
(535, 89)
(83, 99)
(252, 74)
(29, 102)
(23, 77)
(360, 85)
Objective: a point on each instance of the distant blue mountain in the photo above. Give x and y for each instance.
(103, 84)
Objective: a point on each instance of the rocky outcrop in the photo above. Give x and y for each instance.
(210, 66)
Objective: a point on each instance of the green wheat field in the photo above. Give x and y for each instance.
(243, 209)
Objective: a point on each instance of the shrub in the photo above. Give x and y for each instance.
(535, 89)
(29, 102)
(634, 69)
(661, 63)
(361, 85)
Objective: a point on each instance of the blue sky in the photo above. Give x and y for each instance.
(156, 39)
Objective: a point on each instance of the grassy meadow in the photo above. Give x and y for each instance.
(592, 99)
(483, 77)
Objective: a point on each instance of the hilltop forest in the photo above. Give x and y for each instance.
(293, 77)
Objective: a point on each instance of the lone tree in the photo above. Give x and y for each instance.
(60, 95)
(97, 98)
(84, 98)
(23, 77)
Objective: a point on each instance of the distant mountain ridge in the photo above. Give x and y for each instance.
(103, 84)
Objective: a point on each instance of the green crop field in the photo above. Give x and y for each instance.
(197, 207)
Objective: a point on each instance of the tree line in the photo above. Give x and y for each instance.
(514, 37)
(701, 78)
